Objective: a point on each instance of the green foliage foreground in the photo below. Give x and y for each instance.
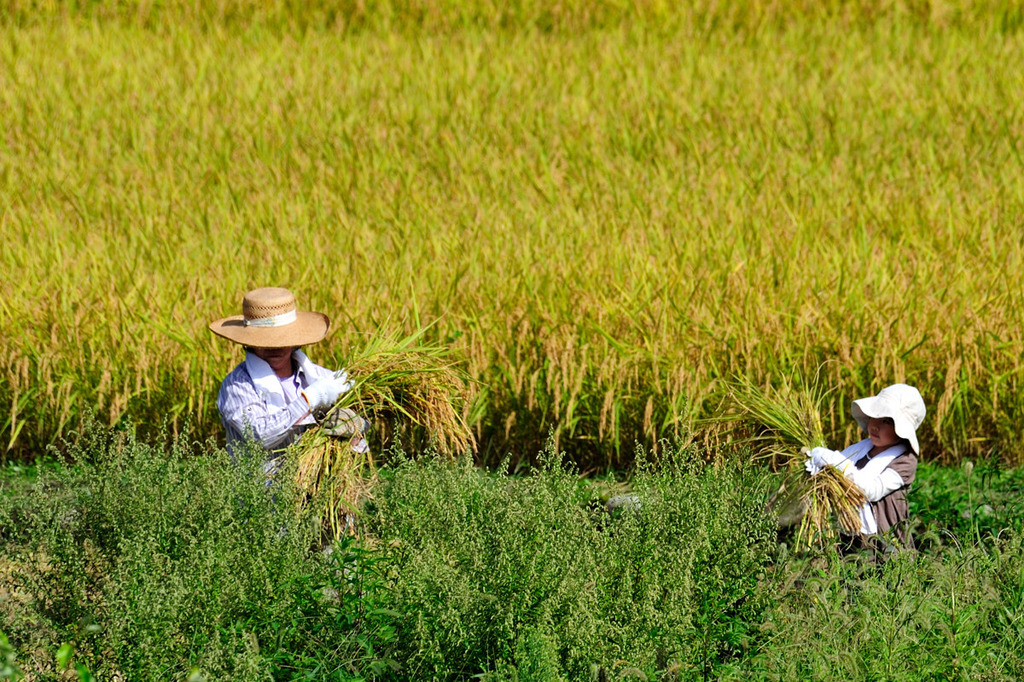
(156, 562)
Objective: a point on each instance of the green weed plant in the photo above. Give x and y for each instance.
(950, 615)
(966, 504)
(155, 562)
(150, 561)
(503, 575)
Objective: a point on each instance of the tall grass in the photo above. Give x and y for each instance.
(607, 223)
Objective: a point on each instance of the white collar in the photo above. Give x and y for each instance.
(860, 450)
(267, 383)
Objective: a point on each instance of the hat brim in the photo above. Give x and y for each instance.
(308, 327)
(879, 408)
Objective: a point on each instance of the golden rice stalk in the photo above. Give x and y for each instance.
(787, 422)
(335, 478)
(402, 379)
(393, 378)
(782, 418)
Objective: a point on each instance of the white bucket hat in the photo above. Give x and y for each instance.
(901, 403)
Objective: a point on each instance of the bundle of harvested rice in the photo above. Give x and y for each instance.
(335, 477)
(788, 423)
(399, 380)
(397, 383)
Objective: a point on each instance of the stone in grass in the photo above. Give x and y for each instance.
(620, 503)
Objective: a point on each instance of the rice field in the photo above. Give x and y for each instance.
(610, 213)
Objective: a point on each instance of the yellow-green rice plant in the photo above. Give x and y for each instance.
(607, 224)
(537, 15)
(785, 422)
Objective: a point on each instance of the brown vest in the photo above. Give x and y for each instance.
(892, 510)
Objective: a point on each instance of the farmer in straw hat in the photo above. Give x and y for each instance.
(273, 394)
(883, 465)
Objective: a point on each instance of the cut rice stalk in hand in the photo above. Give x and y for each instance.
(403, 380)
(396, 380)
(335, 477)
(788, 423)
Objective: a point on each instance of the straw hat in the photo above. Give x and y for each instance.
(269, 319)
(901, 403)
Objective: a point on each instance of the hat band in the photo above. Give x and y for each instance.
(272, 321)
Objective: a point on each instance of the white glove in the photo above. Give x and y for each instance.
(823, 457)
(325, 392)
(343, 422)
(809, 465)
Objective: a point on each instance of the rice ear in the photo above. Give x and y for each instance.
(786, 417)
(401, 378)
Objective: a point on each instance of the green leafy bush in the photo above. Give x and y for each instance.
(155, 562)
(531, 574)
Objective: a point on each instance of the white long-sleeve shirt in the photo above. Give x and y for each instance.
(253, 400)
(876, 486)
(884, 480)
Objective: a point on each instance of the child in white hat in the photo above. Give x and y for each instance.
(272, 394)
(884, 464)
